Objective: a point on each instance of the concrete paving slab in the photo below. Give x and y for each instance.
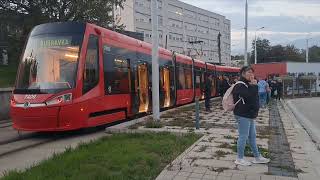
(180, 178)
(253, 177)
(209, 177)
(223, 178)
(196, 175)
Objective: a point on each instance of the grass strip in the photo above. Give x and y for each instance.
(120, 156)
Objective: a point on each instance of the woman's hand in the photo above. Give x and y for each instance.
(253, 81)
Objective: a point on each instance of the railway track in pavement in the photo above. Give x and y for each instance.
(12, 141)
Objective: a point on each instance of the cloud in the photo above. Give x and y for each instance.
(285, 20)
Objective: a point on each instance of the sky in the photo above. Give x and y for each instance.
(284, 20)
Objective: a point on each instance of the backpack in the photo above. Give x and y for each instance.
(227, 100)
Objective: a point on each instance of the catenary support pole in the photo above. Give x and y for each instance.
(155, 63)
(197, 114)
(246, 36)
(307, 51)
(255, 48)
(113, 16)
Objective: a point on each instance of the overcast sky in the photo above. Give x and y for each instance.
(284, 20)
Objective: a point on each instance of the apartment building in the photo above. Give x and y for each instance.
(183, 28)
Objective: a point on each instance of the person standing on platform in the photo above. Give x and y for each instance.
(4, 57)
(245, 113)
(268, 91)
(279, 87)
(262, 89)
(225, 85)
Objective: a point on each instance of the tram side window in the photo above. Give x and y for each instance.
(184, 77)
(116, 74)
(198, 79)
(188, 73)
(181, 77)
(91, 69)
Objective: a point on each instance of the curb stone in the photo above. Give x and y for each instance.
(303, 149)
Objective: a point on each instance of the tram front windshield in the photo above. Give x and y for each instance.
(49, 64)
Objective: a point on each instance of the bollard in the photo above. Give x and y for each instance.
(197, 114)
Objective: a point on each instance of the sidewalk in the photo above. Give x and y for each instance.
(212, 156)
(304, 150)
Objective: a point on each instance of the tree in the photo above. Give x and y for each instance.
(314, 54)
(263, 48)
(237, 57)
(20, 16)
(293, 54)
(276, 54)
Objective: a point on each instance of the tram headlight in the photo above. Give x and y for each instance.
(12, 102)
(60, 99)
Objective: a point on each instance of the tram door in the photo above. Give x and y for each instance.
(166, 86)
(143, 87)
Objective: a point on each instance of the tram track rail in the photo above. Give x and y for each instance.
(31, 140)
(22, 140)
(5, 124)
(22, 144)
(5, 121)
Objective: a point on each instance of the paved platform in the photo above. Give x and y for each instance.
(212, 156)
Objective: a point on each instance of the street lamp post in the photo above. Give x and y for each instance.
(246, 35)
(155, 63)
(307, 50)
(255, 45)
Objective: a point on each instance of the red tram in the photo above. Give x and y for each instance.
(76, 75)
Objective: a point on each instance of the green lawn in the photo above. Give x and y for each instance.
(121, 156)
(7, 75)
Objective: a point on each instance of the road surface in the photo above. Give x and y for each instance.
(307, 111)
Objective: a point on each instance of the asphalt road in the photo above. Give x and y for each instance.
(307, 110)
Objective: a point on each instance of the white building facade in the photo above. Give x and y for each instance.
(183, 28)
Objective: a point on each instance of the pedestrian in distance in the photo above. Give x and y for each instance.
(279, 87)
(245, 113)
(273, 88)
(207, 93)
(220, 87)
(4, 57)
(225, 84)
(262, 89)
(269, 89)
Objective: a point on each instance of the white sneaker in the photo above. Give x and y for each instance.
(261, 160)
(243, 162)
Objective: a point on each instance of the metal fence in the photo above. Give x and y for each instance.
(300, 86)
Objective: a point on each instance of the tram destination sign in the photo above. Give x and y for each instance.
(58, 41)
